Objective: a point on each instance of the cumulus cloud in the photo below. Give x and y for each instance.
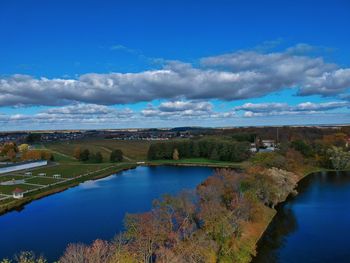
(278, 109)
(239, 75)
(185, 110)
(78, 113)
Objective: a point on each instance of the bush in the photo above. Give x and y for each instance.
(116, 156)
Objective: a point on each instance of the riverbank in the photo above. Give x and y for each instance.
(271, 213)
(195, 162)
(14, 204)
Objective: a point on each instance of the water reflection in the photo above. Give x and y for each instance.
(312, 226)
(282, 225)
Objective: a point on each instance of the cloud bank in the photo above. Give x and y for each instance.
(234, 76)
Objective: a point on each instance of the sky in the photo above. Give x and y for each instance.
(141, 64)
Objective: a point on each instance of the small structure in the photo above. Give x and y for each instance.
(56, 176)
(17, 193)
(269, 143)
(28, 174)
(13, 167)
(42, 174)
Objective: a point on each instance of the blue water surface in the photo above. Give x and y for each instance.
(94, 209)
(312, 227)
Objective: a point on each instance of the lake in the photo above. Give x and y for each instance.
(314, 226)
(94, 209)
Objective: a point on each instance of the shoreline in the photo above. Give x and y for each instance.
(275, 211)
(19, 204)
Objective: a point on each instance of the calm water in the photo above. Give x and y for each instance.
(92, 210)
(314, 226)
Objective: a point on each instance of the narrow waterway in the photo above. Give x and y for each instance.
(314, 226)
(94, 209)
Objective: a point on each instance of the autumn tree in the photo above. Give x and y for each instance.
(176, 155)
(339, 158)
(23, 148)
(77, 153)
(29, 257)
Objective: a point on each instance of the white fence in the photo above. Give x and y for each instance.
(22, 166)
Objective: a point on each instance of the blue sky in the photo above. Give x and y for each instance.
(116, 64)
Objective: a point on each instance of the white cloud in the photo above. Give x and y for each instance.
(74, 114)
(280, 109)
(239, 75)
(185, 110)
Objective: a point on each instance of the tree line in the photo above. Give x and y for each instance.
(214, 149)
(84, 155)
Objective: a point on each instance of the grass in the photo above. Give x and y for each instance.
(197, 161)
(70, 170)
(133, 150)
(42, 180)
(5, 178)
(8, 189)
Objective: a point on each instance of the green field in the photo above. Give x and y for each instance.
(132, 150)
(5, 178)
(8, 189)
(43, 180)
(70, 170)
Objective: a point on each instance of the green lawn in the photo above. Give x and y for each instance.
(70, 170)
(5, 178)
(42, 180)
(8, 189)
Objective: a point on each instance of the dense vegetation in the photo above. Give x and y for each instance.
(11, 152)
(84, 155)
(214, 149)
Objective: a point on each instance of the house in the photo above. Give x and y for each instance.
(28, 174)
(268, 143)
(17, 193)
(56, 176)
(42, 174)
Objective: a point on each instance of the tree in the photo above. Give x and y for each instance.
(214, 155)
(29, 257)
(116, 156)
(37, 155)
(11, 154)
(99, 252)
(302, 147)
(23, 147)
(85, 155)
(340, 159)
(176, 155)
(98, 158)
(77, 153)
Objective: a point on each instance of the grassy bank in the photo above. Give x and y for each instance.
(196, 162)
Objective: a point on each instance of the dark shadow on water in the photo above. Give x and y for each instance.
(283, 224)
(286, 223)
